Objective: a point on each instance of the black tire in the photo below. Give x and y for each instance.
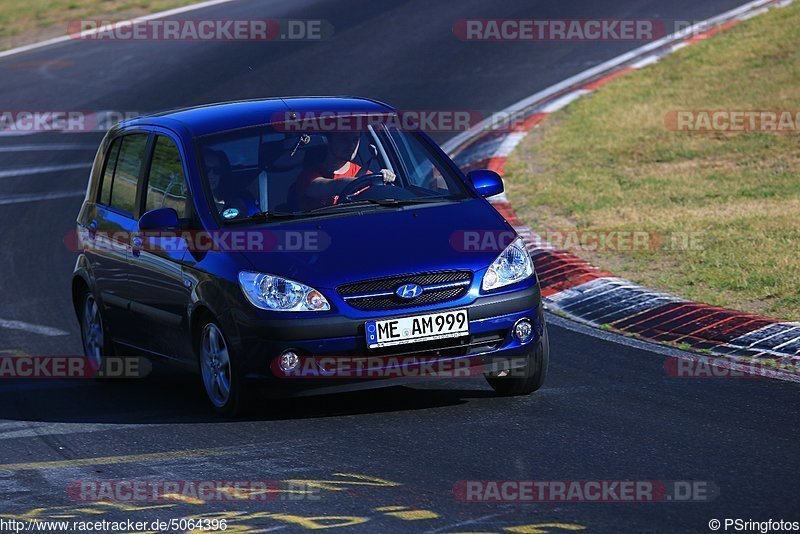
(530, 377)
(235, 401)
(96, 341)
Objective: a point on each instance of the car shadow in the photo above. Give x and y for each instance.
(168, 396)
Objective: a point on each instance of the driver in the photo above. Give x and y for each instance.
(323, 182)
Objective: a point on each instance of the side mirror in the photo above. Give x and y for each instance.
(487, 183)
(159, 219)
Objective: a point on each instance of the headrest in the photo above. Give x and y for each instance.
(277, 155)
(224, 163)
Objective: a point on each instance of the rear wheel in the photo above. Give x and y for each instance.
(528, 378)
(219, 370)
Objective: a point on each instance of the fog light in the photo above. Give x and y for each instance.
(289, 361)
(523, 330)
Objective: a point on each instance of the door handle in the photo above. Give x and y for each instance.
(136, 245)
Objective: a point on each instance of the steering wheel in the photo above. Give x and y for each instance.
(359, 185)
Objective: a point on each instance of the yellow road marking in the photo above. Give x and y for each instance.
(132, 507)
(68, 512)
(543, 528)
(77, 462)
(341, 485)
(320, 522)
(413, 515)
(402, 512)
(183, 498)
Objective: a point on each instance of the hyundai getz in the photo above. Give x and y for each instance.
(303, 245)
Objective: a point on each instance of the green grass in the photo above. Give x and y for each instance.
(608, 162)
(26, 21)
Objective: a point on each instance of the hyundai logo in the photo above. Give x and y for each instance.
(409, 291)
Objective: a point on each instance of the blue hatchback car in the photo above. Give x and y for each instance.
(303, 245)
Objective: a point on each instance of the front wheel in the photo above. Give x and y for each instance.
(528, 378)
(219, 370)
(96, 345)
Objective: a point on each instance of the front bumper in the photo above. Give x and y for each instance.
(491, 319)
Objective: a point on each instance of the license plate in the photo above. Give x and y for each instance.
(417, 328)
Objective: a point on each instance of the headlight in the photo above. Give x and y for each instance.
(270, 292)
(513, 265)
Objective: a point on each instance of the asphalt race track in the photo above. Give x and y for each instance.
(382, 460)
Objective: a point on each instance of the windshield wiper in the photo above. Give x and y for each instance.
(403, 201)
(335, 207)
(274, 215)
(380, 202)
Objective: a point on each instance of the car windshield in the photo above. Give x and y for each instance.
(265, 172)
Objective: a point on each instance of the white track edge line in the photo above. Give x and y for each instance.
(587, 74)
(94, 31)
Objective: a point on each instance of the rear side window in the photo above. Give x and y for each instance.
(166, 185)
(122, 172)
(108, 173)
(126, 175)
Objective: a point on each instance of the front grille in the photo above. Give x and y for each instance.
(393, 282)
(387, 303)
(378, 294)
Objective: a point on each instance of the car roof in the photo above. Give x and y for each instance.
(225, 116)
